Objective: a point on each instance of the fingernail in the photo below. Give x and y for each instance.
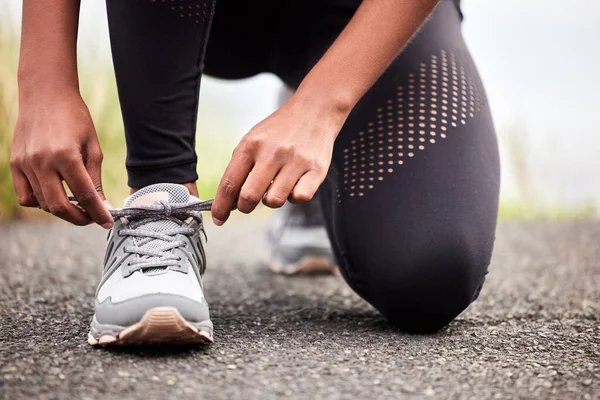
(217, 221)
(107, 225)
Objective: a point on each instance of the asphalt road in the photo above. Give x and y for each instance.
(534, 333)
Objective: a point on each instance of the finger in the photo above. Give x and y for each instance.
(83, 189)
(306, 187)
(229, 188)
(256, 185)
(57, 201)
(23, 189)
(35, 186)
(282, 186)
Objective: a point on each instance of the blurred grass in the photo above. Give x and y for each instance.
(98, 88)
(9, 51)
(521, 210)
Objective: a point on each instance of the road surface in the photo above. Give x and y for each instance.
(534, 333)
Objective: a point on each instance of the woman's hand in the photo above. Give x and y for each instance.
(286, 156)
(55, 140)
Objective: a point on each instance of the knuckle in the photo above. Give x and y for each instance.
(302, 159)
(26, 201)
(96, 156)
(250, 197)
(61, 152)
(251, 143)
(275, 200)
(86, 198)
(64, 156)
(320, 166)
(15, 162)
(57, 209)
(99, 188)
(302, 197)
(283, 151)
(227, 188)
(35, 158)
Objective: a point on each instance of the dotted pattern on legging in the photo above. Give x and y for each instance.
(195, 10)
(437, 99)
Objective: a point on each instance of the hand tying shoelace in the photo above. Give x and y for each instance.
(138, 216)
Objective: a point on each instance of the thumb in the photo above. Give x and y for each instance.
(97, 180)
(93, 164)
(95, 171)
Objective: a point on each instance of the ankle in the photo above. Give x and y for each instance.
(191, 187)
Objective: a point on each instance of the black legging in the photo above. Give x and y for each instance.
(411, 198)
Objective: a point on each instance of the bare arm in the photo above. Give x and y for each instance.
(292, 148)
(48, 60)
(54, 138)
(365, 48)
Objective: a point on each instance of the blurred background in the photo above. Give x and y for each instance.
(539, 59)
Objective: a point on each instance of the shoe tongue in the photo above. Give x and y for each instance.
(170, 192)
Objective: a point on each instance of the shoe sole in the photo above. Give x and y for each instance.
(158, 326)
(306, 265)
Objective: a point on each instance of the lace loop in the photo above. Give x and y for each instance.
(180, 211)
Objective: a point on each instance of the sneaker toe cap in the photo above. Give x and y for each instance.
(130, 311)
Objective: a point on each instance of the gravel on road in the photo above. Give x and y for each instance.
(534, 333)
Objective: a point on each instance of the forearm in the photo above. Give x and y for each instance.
(365, 48)
(48, 59)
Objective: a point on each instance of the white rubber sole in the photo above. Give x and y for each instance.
(159, 325)
(307, 265)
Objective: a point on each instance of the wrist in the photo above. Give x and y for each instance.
(333, 104)
(46, 87)
(47, 81)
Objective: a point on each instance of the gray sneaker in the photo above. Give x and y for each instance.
(151, 288)
(298, 240)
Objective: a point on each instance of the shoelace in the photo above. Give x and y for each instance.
(162, 255)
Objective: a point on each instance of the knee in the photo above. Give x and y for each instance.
(424, 292)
